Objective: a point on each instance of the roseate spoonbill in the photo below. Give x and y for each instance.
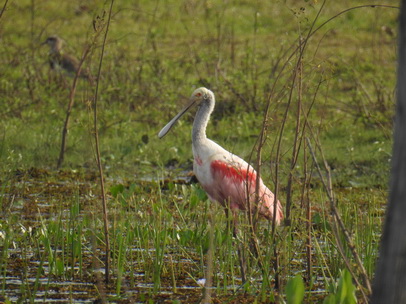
(58, 60)
(226, 178)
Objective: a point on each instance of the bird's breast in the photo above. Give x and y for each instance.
(202, 170)
(198, 161)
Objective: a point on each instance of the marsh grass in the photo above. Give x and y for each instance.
(162, 238)
(338, 91)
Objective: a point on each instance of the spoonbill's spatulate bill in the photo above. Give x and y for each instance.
(226, 178)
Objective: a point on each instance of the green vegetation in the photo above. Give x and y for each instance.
(161, 226)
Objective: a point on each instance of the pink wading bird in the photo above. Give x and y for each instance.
(224, 176)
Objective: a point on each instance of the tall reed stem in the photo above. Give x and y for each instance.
(98, 157)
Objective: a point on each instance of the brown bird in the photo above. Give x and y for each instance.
(58, 60)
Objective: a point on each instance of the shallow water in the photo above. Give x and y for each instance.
(35, 206)
(34, 200)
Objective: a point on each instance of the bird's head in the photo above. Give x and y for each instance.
(198, 97)
(54, 42)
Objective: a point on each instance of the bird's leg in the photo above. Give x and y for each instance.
(240, 248)
(243, 265)
(233, 221)
(254, 246)
(228, 221)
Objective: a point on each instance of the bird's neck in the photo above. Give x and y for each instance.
(201, 120)
(56, 49)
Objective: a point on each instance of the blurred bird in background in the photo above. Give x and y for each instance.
(59, 61)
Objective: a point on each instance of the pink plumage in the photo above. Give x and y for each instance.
(225, 177)
(235, 185)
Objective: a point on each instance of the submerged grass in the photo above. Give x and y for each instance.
(161, 222)
(160, 241)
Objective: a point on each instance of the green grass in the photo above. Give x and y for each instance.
(157, 52)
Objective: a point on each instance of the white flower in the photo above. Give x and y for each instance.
(201, 282)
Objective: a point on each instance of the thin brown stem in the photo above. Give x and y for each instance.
(295, 150)
(3, 9)
(71, 102)
(209, 264)
(338, 225)
(305, 199)
(296, 78)
(98, 156)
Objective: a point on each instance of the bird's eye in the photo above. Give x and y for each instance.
(198, 94)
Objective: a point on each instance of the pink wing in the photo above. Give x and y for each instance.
(234, 183)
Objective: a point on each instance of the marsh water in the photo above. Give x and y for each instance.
(36, 201)
(52, 248)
